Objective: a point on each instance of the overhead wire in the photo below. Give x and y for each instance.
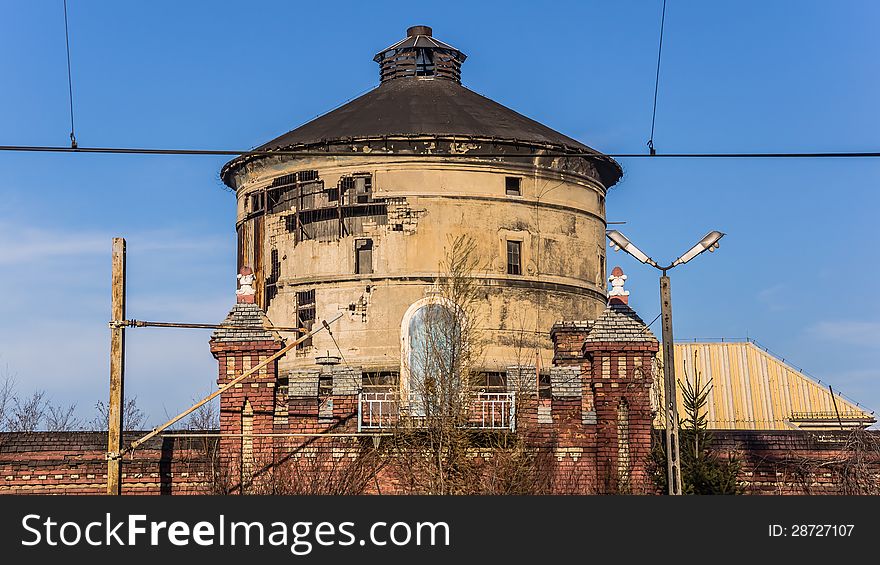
(74, 147)
(375, 154)
(73, 144)
(651, 148)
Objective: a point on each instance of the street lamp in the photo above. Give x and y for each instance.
(619, 241)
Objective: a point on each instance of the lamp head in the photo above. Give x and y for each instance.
(618, 241)
(709, 242)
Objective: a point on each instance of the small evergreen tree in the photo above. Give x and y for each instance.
(703, 469)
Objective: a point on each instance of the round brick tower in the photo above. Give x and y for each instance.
(355, 210)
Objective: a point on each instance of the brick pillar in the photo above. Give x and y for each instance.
(619, 353)
(249, 406)
(614, 357)
(302, 401)
(574, 428)
(347, 384)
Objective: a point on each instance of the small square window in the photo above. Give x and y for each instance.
(513, 186)
(514, 257)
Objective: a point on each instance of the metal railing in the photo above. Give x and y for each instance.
(496, 411)
(377, 410)
(489, 411)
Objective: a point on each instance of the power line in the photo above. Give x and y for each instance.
(532, 155)
(69, 79)
(657, 81)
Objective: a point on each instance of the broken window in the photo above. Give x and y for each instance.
(305, 314)
(363, 256)
(290, 191)
(513, 186)
(330, 214)
(544, 387)
(257, 202)
(279, 195)
(356, 189)
(514, 257)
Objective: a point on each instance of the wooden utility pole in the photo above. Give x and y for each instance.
(673, 471)
(117, 369)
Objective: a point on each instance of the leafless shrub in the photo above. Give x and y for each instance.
(205, 417)
(318, 467)
(7, 396)
(27, 414)
(62, 418)
(133, 418)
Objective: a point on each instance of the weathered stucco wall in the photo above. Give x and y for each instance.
(558, 217)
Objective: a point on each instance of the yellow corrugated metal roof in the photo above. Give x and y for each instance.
(753, 390)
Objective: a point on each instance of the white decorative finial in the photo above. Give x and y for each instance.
(245, 293)
(617, 279)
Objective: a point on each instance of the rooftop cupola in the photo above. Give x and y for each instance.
(419, 55)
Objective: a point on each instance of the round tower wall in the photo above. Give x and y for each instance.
(368, 236)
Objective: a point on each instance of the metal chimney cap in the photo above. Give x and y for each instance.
(418, 30)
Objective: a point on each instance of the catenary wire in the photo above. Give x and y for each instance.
(372, 154)
(69, 79)
(657, 81)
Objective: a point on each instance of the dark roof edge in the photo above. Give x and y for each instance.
(292, 150)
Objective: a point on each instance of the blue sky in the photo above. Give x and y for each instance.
(797, 271)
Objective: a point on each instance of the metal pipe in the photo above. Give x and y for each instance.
(144, 324)
(302, 434)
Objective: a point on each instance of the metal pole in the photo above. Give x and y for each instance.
(673, 471)
(117, 370)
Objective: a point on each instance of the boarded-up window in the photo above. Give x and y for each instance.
(363, 256)
(514, 257)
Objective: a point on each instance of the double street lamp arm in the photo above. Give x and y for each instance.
(710, 243)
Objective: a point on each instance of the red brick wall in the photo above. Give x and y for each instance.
(576, 431)
(621, 371)
(799, 462)
(74, 463)
(258, 391)
(773, 462)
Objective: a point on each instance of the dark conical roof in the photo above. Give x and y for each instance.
(423, 107)
(408, 104)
